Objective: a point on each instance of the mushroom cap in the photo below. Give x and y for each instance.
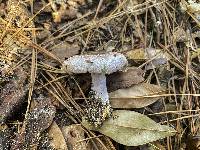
(101, 63)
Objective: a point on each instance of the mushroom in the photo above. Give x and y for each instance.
(98, 66)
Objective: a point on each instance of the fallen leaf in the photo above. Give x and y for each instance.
(65, 50)
(125, 79)
(74, 136)
(137, 96)
(57, 140)
(131, 128)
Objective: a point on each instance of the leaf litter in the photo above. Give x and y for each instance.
(160, 40)
(124, 79)
(136, 96)
(132, 129)
(56, 137)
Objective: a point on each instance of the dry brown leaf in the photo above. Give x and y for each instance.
(66, 50)
(126, 79)
(57, 140)
(136, 96)
(74, 136)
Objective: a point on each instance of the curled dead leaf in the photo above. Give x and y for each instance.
(137, 96)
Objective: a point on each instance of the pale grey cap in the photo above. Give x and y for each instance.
(101, 63)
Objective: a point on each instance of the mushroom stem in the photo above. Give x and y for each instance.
(99, 87)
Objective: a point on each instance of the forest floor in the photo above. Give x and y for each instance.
(154, 98)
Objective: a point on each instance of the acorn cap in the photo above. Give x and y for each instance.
(101, 63)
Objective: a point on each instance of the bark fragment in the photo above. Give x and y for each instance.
(39, 119)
